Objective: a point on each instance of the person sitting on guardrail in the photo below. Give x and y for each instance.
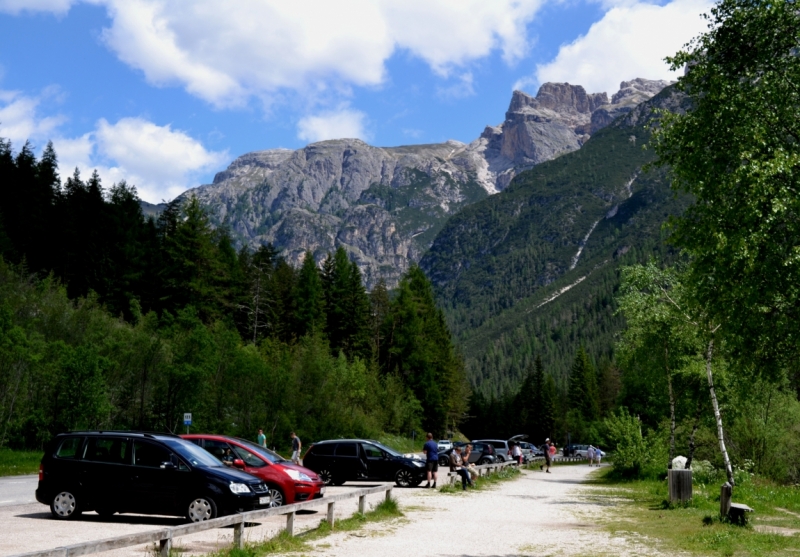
(457, 466)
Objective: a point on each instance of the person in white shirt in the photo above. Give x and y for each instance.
(590, 455)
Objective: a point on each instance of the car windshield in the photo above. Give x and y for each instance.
(392, 452)
(262, 451)
(192, 453)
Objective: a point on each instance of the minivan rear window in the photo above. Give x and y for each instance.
(69, 447)
(325, 449)
(346, 449)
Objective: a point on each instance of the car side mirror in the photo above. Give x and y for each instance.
(168, 465)
(238, 463)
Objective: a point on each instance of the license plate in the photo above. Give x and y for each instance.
(263, 500)
(322, 491)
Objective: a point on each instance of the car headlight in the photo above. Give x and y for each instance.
(297, 475)
(239, 488)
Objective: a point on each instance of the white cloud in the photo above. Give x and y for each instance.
(160, 161)
(462, 88)
(333, 124)
(53, 6)
(20, 119)
(630, 41)
(226, 54)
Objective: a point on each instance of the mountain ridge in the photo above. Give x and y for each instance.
(385, 205)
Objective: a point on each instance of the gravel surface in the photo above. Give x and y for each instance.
(536, 514)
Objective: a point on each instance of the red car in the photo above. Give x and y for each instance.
(287, 482)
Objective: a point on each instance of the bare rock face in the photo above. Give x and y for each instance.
(386, 205)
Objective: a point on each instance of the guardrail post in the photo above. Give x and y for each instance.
(290, 523)
(388, 494)
(331, 509)
(165, 546)
(238, 535)
(362, 504)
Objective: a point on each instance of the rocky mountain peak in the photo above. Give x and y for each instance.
(385, 205)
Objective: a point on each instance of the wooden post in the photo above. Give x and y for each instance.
(725, 500)
(165, 546)
(290, 523)
(331, 509)
(362, 504)
(388, 494)
(238, 535)
(680, 485)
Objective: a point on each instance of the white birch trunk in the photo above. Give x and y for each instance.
(717, 415)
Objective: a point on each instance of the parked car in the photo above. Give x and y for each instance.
(500, 448)
(482, 453)
(341, 460)
(444, 444)
(119, 471)
(575, 450)
(287, 482)
(529, 452)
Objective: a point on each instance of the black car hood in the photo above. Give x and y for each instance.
(229, 475)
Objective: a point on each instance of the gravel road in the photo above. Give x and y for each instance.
(537, 514)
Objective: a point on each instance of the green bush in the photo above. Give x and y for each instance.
(635, 456)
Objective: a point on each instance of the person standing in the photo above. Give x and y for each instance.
(546, 451)
(516, 453)
(431, 450)
(597, 455)
(262, 439)
(296, 446)
(457, 466)
(590, 455)
(552, 450)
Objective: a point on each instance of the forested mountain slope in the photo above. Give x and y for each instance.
(533, 270)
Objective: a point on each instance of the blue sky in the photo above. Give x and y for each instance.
(164, 93)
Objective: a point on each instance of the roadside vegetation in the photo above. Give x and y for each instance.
(641, 509)
(284, 543)
(15, 463)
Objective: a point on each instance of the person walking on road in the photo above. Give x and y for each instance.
(597, 455)
(457, 466)
(262, 439)
(431, 450)
(547, 457)
(296, 446)
(590, 455)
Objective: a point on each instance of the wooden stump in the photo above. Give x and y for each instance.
(680, 485)
(725, 500)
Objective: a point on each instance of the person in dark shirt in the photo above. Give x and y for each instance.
(296, 446)
(431, 450)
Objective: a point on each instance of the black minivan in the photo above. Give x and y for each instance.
(149, 473)
(336, 462)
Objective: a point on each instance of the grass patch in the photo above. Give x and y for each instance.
(505, 474)
(641, 507)
(401, 444)
(284, 543)
(15, 463)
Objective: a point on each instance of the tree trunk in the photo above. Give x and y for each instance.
(671, 410)
(717, 415)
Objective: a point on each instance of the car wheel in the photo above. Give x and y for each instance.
(326, 476)
(65, 506)
(444, 461)
(337, 481)
(500, 458)
(201, 509)
(405, 478)
(275, 497)
(484, 461)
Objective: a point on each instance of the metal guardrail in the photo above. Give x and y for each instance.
(483, 468)
(164, 536)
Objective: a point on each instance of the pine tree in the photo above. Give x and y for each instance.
(583, 394)
(309, 299)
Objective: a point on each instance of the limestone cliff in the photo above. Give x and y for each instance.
(385, 205)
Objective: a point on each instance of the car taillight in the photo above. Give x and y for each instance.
(41, 472)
